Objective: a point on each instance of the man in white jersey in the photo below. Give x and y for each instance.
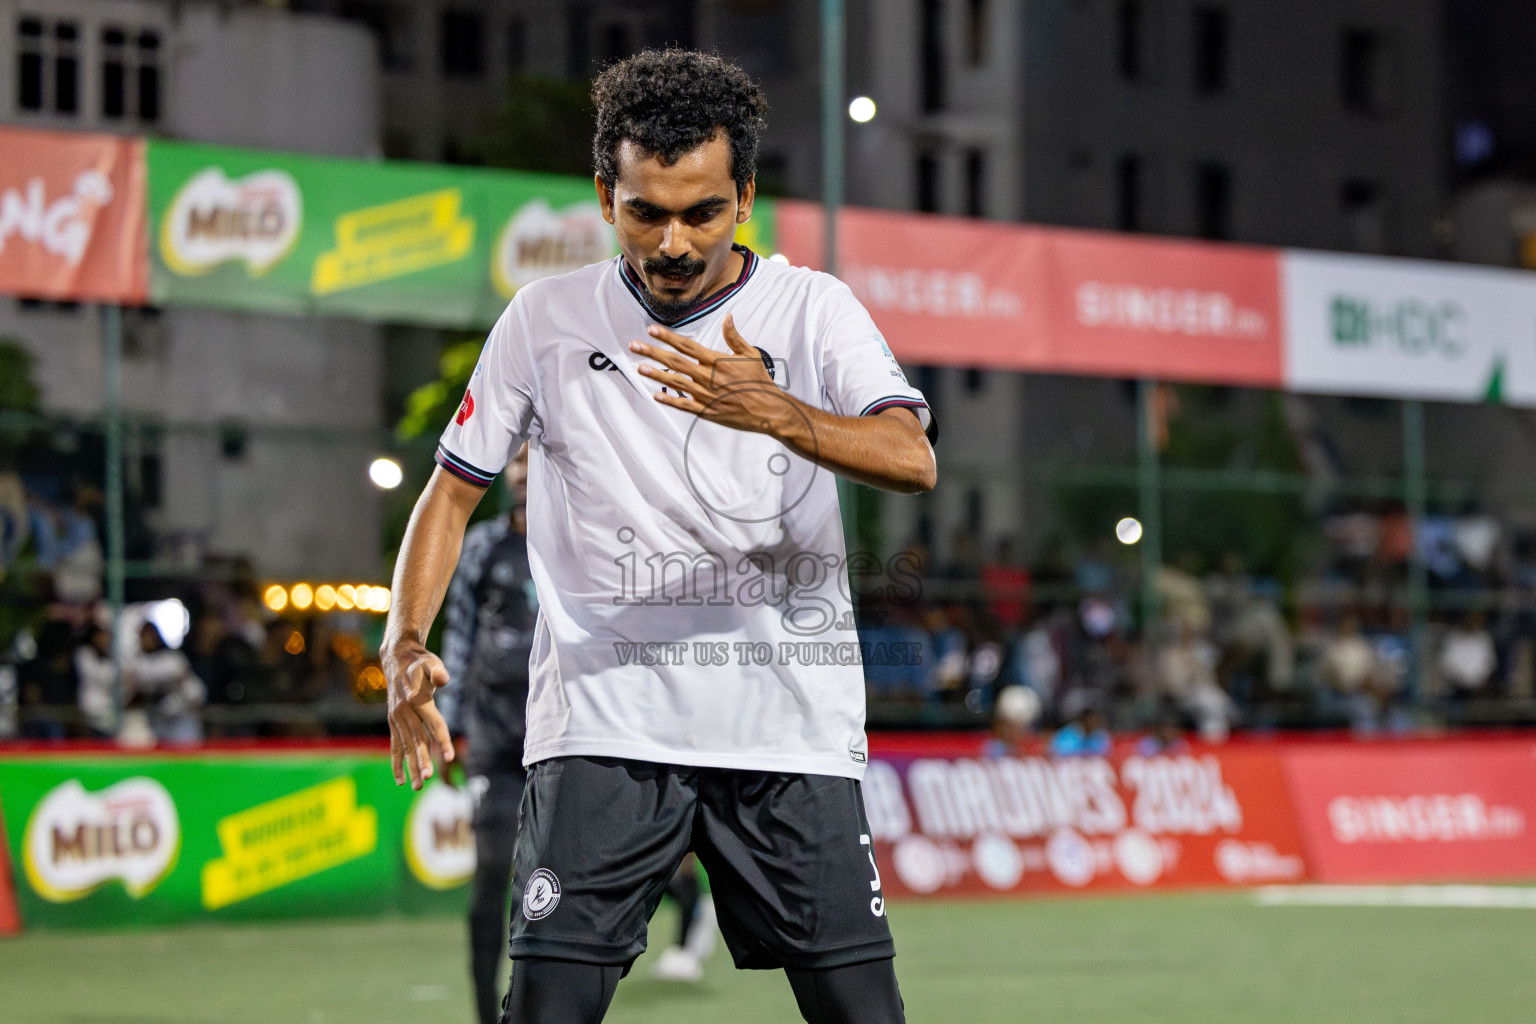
(696, 680)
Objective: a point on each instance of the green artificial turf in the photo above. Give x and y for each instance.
(1187, 959)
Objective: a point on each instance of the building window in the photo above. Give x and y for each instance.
(1211, 33)
(130, 74)
(976, 32)
(1131, 30)
(976, 183)
(1128, 187)
(48, 66)
(393, 27)
(1213, 200)
(1367, 72)
(114, 74)
(463, 44)
(29, 64)
(66, 67)
(928, 182)
(932, 36)
(149, 76)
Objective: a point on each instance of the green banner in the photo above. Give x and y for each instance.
(104, 841)
(446, 246)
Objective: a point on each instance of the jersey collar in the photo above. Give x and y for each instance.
(637, 289)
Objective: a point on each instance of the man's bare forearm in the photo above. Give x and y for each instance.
(428, 555)
(887, 450)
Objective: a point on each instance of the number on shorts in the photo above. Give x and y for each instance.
(876, 904)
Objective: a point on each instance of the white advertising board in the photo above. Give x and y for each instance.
(1408, 329)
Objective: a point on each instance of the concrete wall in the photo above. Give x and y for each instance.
(1280, 124)
(307, 394)
(274, 80)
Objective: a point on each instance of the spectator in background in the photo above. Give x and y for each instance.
(964, 564)
(49, 689)
(1358, 684)
(1186, 672)
(1085, 736)
(284, 669)
(1005, 585)
(897, 653)
(15, 520)
(985, 662)
(1467, 657)
(229, 667)
(1165, 739)
(1014, 715)
(1258, 655)
(160, 680)
(1181, 595)
(947, 629)
(96, 669)
(65, 542)
(1040, 654)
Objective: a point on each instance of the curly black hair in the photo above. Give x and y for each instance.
(669, 102)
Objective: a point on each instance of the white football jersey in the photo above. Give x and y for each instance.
(693, 593)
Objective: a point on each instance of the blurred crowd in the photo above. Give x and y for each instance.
(210, 663)
(1227, 648)
(1333, 646)
(200, 658)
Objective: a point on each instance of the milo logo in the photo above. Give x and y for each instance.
(440, 837)
(77, 841)
(542, 242)
(215, 219)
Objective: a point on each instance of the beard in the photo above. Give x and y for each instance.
(683, 266)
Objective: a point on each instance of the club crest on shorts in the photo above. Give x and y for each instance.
(541, 895)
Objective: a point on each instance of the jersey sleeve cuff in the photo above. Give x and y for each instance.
(463, 470)
(925, 415)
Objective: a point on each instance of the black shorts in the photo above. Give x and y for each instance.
(789, 857)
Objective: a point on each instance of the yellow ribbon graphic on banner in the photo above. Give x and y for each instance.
(284, 840)
(395, 239)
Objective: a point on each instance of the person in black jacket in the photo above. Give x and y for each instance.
(491, 610)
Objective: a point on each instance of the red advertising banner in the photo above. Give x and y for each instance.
(1125, 306)
(72, 217)
(930, 282)
(953, 291)
(10, 916)
(977, 826)
(1417, 812)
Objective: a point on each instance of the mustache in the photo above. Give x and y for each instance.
(669, 266)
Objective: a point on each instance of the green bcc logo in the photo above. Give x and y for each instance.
(1415, 327)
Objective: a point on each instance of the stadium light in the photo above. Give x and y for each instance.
(862, 109)
(386, 473)
(302, 595)
(171, 618)
(1128, 530)
(275, 598)
(325, 597)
